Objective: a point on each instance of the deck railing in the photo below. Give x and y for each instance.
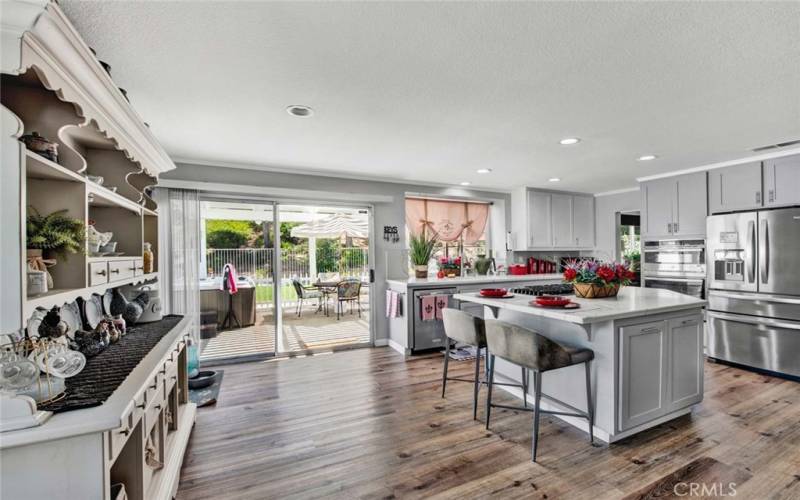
(258, 263)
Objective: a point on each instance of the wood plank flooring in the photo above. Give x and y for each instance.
(368, 424)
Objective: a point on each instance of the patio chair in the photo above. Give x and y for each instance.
(306, 293)
(348, 291)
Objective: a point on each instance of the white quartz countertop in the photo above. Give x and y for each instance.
(106, 416)
(630, 303)
(472, 280)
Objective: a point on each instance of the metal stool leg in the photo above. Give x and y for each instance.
(477, 384)
(524, 387)
(537, 384)
(446, 360)
(490, 360)
(589, 407)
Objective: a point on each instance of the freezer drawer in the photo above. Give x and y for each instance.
(763, 343)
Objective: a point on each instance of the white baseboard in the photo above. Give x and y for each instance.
(396, 346)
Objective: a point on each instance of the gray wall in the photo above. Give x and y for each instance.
(387, 255)
(606, 208)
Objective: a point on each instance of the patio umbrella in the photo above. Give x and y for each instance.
(333, 226)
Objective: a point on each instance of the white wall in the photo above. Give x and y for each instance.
(389, 209)
(606, 208)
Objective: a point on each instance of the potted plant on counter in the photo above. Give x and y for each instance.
(594, 279)
(420, 251)
(49, 236)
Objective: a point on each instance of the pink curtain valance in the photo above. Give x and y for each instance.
(449, 219)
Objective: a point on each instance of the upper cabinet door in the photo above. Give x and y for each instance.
(782, 181)
(539, 220)
(691, 207)
(735, 188)
(583, 221)
(562, 220)
(657, 199)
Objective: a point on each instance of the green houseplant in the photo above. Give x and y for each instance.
(51, 235)
(420, 251)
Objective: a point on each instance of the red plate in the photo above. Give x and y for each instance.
(551, 301)
(494, 293)
(571, 305)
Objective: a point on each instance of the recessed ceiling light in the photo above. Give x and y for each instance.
(484, 170)
(298, 110)
(554, 179)
(465, 183)
(647, 157)
(569, 141)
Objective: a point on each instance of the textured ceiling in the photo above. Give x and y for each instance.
(432, 91)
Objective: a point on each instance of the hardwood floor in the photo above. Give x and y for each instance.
(368, 424)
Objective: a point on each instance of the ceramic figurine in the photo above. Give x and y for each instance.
(41, 146)
(52, 325)
(130, 310)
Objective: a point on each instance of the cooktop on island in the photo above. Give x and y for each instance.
(552, 289)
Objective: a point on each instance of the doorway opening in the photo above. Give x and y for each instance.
(629, 243)
(302, 275)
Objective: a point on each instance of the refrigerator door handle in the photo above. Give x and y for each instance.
(751, 244)
(754, 320)
(763, 250)
(761, 297)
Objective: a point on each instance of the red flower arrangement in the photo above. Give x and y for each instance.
(598, 273)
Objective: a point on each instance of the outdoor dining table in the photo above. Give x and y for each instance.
(329, 287)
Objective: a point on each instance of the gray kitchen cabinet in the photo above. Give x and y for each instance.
(539, 216)
(675, 207)
(735, 188)
(583, 221)
(561, 220)
(686, 370)
(644, 373)
(657, 199)
(546, 220)
(782, 181)
(691, 205)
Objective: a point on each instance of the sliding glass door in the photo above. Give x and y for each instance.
(325, 278)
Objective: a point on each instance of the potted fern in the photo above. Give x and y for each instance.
(52, 235)
(420, 251)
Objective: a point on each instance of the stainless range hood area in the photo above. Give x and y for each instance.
(754, 289)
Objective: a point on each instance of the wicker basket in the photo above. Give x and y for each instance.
(592, 291)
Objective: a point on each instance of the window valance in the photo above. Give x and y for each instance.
(449, 219)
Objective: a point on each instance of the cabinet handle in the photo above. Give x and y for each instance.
(163, 371)
(101, 272)
(771, 195)
(689, 322)
(174, 377)
(758, 197)
(141, 406)
(650, 330)
(115, 271)
(157, 407)
(154, 386)
(675, 226)
(125, 432)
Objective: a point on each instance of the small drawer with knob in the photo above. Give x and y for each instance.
(120, 270)
(138, 267)
(98, 273)
(119, 436)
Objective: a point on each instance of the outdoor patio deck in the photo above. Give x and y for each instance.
(313, 330)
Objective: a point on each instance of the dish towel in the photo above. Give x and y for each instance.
(428, 307)
(441, 303)
(392, 304)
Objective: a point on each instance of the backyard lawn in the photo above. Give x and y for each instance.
(264, 293)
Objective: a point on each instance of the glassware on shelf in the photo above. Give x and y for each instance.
(147, 258)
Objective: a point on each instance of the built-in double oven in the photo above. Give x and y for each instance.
(678, 265)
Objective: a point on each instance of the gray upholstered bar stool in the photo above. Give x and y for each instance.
(468, 329)
(539, 354)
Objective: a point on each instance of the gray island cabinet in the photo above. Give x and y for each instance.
(648, 365)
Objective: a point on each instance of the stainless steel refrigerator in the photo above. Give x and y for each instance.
(754, 289)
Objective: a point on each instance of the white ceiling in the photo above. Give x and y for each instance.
(434, 91)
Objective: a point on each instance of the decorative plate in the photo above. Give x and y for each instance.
(107, 297)
(93, 311)
(494, 293)
(34, 321)
(71, 314)
(549, 300)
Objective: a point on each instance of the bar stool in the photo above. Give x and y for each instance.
(463, 327)
(539, 354)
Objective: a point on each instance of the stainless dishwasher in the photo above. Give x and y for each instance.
(428, 334)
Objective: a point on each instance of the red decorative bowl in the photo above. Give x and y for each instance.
(552, 301)
(493, 292)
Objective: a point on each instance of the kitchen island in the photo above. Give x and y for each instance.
(409, 333)
(648, 355)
